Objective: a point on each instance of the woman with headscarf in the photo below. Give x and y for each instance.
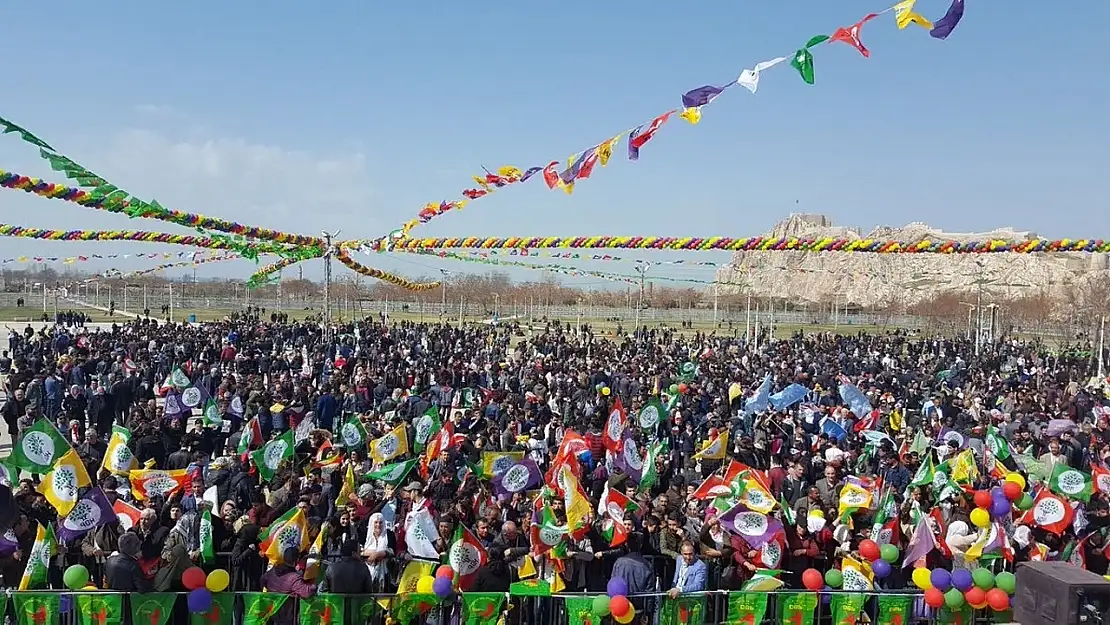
(182, 541)
(378, 549)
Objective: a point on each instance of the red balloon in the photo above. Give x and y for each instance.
(813, 580)
(869, 549)
(998, 599)
(1012, 490)
(934, 598)
(445, 570)
(619, 605)
(193, 578)
(983, 499)
(682, 388)
(975, 595)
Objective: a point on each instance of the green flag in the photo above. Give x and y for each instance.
(796, 608)
(427, 425)
(747, 608)
(100, 608)
(393, 474)
(580, 611)
(38, 448)
(212, 413)
(846, 607)
(36, 608)
(353, 434)
(221, 612)
(686, 609)
(965, 615)
(405, 608)
(272, 454)
(260, 607)
(363, 609)
(997, 445)
(207, 550)
(483, 608)
(324, 609)
(1068, 482)
(803, 59)
(895, 609)
(152, 608)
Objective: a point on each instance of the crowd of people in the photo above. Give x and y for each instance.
(562, 454)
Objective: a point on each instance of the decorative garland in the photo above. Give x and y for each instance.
(68, 260)
(108, 198)
(765, 244)
(262, 276)
(214, 243)
(342, 256)
(165, 266)
(580, 165)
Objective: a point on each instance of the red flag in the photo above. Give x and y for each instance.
(551, 175)
(638, 137)
(851, 35)
(1101, 478)
(1052, 513)
(466, 555)
(713, 486)
(615, 425)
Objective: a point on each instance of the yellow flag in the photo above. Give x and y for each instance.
(508, 171)
(118, 458)
(734, 391)
(605, 150)
(715, 448)
(412, 574)
(527, 568)
(347, 489)
(691, 114)
(756, 497)
(388, 447)
(904, 15)
(853, 497)
(896, 420)
(312, 564)
(859, 573)
(495, 463)
(61, 485)
(578, 508)
(292, 533)
(964, 470)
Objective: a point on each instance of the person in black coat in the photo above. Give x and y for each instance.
(122, 570)
(247, 565)
(494, 576)
(348, 575)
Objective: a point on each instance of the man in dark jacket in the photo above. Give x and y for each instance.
(122, 570)
(348, 575)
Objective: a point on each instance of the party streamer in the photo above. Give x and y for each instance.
(107, 197)
(342, 256)
(602, 257)
(69, 260)
(261, 277)
(580, 165)
(8, 230)
(115, 273)
(766, 244)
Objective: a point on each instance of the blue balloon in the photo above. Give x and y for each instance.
(1000, 508)
(941, 579)
(962, 580)
(65, 604)
(881, 568)
(617, 587)
(826, 595)
(200, 600)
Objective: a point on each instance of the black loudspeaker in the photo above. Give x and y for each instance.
(1057, 593)
(9, 512)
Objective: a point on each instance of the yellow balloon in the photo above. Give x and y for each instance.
(921, 578)
(981, 518)
(424, 584)
(605, 391)
(1016, 478)
(89, 588)
(628, 616)
(979, 606)
(217, 580)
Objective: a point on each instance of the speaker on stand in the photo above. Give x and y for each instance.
(1058, 593)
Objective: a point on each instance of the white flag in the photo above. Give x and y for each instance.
(421, 534)
(749, 78)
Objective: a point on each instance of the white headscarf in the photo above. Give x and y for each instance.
(376, 544)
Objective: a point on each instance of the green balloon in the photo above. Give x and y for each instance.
(1006, 581)
(834, 578)
(954, 598)
(889, 553)
(674, 389)
(983, 578)
(76, 577)
(1025, 502)
(601, 605)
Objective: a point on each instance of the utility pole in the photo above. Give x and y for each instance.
(277, 301)
(443, 295)
(641, 269)
(1101, 337)
(716, 296)
(970, 316)
(328, 251)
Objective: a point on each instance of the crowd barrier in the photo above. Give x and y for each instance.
(778, 607)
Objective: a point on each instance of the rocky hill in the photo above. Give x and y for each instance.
(901, 279)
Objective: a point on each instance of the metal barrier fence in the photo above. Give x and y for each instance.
(522, 610)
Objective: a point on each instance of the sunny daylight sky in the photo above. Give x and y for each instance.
(352, 114)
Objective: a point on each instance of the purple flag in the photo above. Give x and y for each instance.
(921, 543)
(630, 460)
(9, 544)
(945, 25)
(948, 434)
(91, 511)
(517, 478)
(702, 95)
(194, 397)
(754, 527)
(532, 171)
(173, 408)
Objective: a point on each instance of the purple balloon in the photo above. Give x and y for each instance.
(826, 595)
(617, 587)
(996, 492)
(941, 579)
(199, 600)
(961, 579)
(65, 604)
(881, 568)
(442, 587)
(1000, 508)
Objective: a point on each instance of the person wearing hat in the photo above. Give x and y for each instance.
(122, 571)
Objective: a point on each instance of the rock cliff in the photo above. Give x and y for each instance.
(900, 279)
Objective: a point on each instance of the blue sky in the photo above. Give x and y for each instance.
(352, 114)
